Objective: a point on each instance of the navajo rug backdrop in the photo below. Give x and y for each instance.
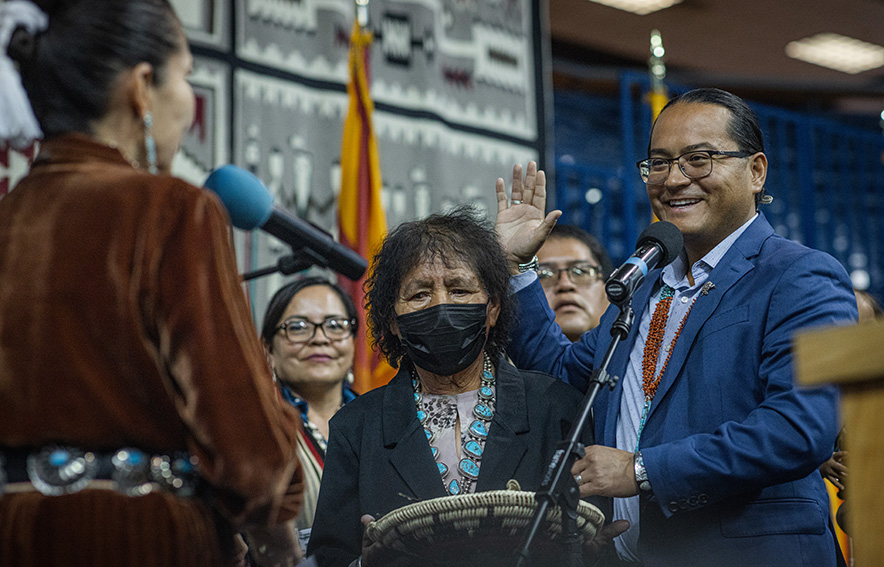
(454, 83)
(457, 88)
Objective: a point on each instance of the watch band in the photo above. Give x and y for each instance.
(532, 265)
(641, 474)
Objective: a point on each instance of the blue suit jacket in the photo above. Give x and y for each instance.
(731, 446)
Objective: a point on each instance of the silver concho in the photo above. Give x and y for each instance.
(131, 472)
(177, 474)
(56, 470)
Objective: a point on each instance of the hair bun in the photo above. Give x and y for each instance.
(21, 45)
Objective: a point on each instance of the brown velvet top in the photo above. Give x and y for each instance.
(123, 323)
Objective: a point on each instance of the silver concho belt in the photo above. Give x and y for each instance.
(57, 469)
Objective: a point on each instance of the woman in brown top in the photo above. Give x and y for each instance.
(122, 321)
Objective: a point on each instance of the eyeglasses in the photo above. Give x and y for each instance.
(302, 330)
(579, 274)
(694, 165)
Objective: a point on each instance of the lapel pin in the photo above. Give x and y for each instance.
(706, 287)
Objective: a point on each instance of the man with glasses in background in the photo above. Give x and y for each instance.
(708, 448)
(573, 268)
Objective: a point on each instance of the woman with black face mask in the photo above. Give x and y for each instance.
(457, 418)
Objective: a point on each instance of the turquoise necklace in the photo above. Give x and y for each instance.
(472, 444)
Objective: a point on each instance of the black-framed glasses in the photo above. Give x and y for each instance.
(579, 274)
(694, 165)
(303, 330)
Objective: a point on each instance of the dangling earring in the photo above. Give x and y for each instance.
(149, 145)
(350, 377)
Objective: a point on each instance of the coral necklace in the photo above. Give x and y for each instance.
(652, 351)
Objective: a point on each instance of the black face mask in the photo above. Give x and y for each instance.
(446, 338)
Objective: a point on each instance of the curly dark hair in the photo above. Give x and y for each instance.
(459, 235)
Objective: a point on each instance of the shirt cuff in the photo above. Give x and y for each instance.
(519, 282)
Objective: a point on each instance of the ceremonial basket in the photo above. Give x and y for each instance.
(482, 529)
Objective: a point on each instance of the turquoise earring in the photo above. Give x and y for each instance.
(149, 144)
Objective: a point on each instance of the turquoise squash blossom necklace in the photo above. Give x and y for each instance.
(472, 444)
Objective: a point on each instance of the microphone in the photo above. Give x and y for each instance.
(657, 246)
(250, 206)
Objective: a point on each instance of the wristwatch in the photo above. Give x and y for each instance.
(641, 474)
(532, 265)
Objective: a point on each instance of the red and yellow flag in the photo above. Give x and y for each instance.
(361, 221)
(657, 98)
(834, 504)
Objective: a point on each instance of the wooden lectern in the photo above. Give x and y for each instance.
(853, 358)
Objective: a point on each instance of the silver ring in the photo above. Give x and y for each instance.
(517, 202)
(578, 479)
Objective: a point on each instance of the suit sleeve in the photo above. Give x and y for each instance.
(791, 431)
(538, 343)
(336, 538)
(242, 434)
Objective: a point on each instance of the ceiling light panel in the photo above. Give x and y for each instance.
(640, 7)
(838, 52)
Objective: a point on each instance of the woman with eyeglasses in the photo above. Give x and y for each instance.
(308, 336)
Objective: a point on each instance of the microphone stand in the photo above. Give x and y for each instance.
(297, 261)
(558, 486)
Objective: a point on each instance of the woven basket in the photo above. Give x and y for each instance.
(482, 529)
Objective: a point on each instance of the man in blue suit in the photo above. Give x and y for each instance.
(707, 446)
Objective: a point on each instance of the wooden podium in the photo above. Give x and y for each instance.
(853, 358)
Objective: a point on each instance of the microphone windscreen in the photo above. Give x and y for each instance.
(247, 200)
(667, 235)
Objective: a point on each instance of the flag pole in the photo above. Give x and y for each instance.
(362, 13)
(361, 220)
(657, 69)
(658, 95)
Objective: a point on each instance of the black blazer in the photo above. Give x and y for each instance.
(379, 460)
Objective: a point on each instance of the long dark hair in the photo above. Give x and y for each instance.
(68, 70)
(455, 236)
